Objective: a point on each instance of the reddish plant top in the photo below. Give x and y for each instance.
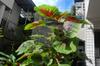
(46, 12)
(72, 19)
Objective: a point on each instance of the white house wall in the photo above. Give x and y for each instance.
(89, 46)
(86, 34)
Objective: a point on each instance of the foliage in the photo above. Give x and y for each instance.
(7, 60)
(1, 32)
(58, 49)
(56, 54)
(62, 43)
(47, 11)
(35, 24)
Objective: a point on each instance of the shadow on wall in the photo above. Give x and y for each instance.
(81, 49)
(97, 47)
(13, 36)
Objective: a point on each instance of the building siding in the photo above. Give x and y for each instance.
(87, 34)
(8, 3)
(2, 10)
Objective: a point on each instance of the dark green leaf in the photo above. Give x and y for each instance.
(73, 46)
(62, 48)
(64, 65)
(3, 54)
(3, 59)
(25, 46)
(50, 62)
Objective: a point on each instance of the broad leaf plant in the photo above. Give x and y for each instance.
(59, 48)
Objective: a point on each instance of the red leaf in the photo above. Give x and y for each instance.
(72, 19)
(46, 12)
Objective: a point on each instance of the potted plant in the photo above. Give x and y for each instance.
(59, 47)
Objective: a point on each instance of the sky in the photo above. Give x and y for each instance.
(63, 5)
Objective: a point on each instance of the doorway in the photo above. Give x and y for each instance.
(97, 47)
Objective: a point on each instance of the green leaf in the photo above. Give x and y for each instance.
(35, 24)
(36, 36)
(25, 46)
(50, 62)
(28, 26)
(64, 65)
(73, 46)
(24, 56)
(37, 48)
(27, 62)
(56, 43)
(83, 22)
(44, 54)
(30, 46)
(1, 36)
(13, 58)
(3, 59)
(54, 65)
(62, 48)
(3, 54)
